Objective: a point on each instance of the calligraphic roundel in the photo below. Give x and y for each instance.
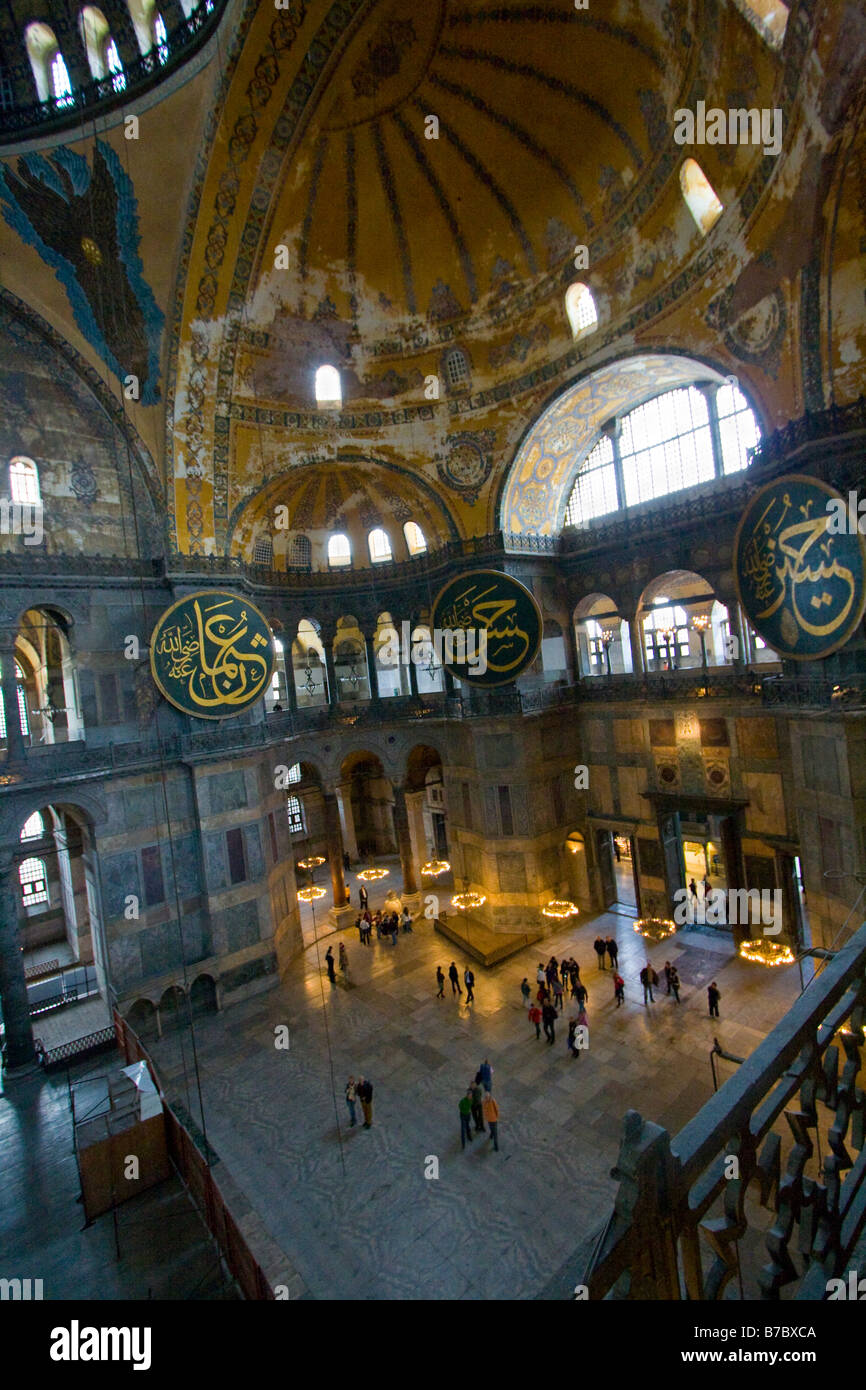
(212, 654)
(800, 567)
(487, 627)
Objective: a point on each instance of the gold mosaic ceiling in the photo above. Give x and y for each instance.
(548, 120)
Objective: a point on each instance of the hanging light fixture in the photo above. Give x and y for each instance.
(560, 908)
(373, 875)
(764, 952)
(655, 928)
(435, 867)
(309, 895)
(466, 901)
(312, 863)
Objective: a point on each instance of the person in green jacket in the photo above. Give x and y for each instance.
(465, 1108)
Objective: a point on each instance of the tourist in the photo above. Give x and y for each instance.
(548, 1014)
(395, 928)
(469, 981)
(693, 889)
(477, 1095)
(575, 979)
(613, 952)
(675, 983)
(351, 1097)
(491, 1115)
(583, 1025)
(364, 1091)
(464, 1105)
(329, 961)
(557, 993)
(541, 975)
(707, 887)
(525, 992)
(440, 980)
(618, 989)
(667, 974)
(713, 997)
(648, 978)
(600, 946)
(455, 979)
(362, 897)
(572, 1029)
(347, 863)
(581, 994)
(535, 1017)
(552, 972)
(485, 1075)
(406, 920)
(361, 928)
(344, 960)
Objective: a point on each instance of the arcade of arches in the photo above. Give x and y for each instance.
(431, 379)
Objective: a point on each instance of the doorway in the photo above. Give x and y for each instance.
(618, 872)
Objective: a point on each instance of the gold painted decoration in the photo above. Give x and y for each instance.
(800, 567)
(486, 628)
(212, 654)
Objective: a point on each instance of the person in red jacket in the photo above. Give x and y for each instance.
(535, 1017)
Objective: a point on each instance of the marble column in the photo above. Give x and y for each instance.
(341, 913)
(736, 626)
(347, 818)
(13, 986)
(411, 894)
(15, 743)
(417, 830)
(635, 637)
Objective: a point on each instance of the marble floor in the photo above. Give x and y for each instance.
(358, 1211)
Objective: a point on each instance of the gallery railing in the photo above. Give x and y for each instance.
(684, 1219)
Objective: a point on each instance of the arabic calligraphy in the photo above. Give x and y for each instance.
(801, 585)
(212, 654)
(504, 615)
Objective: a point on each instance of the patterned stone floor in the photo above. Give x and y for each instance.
(352, 1208)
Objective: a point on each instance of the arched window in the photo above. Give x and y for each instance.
(24, 482)
(295, 773)
(581, 310)
(416, 543)
(328, 389)
(339, 550)
(769, 17)
(295, 813)
(701, 198)
(456, 367)
(301, 553)
(594, 492)
(380, 546)
(93, 27)
(42, 46)
(23, 721)
(263, 552)
(34, 827)
(34, 884)
(738, 428)
(666, 635)
(61, 87)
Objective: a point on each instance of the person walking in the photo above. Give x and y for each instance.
(667, 974)
(455, 979)
(347, 863)
(548, 1014)
(541, 974)
(469, 981)
(600, 947)
(535, 1017)
(329, 962)
(363, 898)
(464, 1105)
(581, 994)
(646, 979)
(613, 952)
(491, 1115)
(572, 1029)
(344, 960)
(618, 989)
(713, 997)
(557, 994)
(575, 979)
(351, 1097)
(406, 920)
(477, 1096)
(582, 1043)
(693, 889)
(542, 994)
(675, 983)
(364, 1091)
(485, 1076)
(440, 980)
(525, 992)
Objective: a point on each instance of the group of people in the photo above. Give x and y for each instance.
(454, 977)
(360, 1090)
(344, 963)
(477, 1105)
(607, 944)
(386, 924)
(552, 980)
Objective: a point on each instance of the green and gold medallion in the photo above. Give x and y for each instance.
(487, 626)
(212, 654)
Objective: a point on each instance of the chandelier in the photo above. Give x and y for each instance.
(765, 952)
(465, 901)
(655, 928)
(312, 863)
(560, 908)
(309, 895)
(373, 875)
(435, 867)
